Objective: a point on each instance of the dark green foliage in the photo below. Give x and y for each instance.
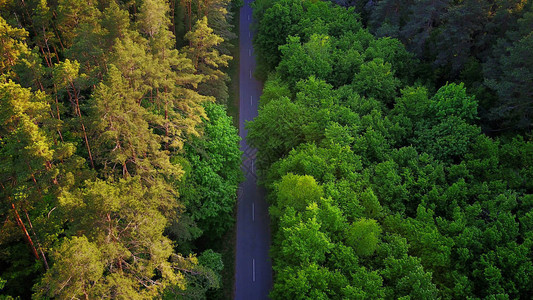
(283, 125)
(481, 43)
(277, 20)
(381, 188)
(511, 77)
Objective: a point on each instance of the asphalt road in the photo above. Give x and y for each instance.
(253, 268)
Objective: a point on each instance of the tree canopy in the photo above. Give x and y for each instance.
(117, 158)
(382, 182)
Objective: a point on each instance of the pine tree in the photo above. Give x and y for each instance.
(71, 14)
(120, 252)
(11, 46)
(514, 86)
(219, 18)
(207, 60)
(44, 38)
(25, 153)
(170, 79)
(66, 75)
(127, 146)
(508, 73)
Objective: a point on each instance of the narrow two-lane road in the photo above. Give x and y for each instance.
(253, 269)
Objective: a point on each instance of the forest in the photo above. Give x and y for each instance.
(119, 164)
(394, 142)
(394, 139)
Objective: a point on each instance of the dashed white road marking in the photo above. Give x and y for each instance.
(253, 269)
(253, 211)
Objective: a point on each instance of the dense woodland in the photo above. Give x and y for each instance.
(394, 138)
(118, 163)
(485, 44)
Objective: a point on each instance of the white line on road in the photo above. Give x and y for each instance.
(248, 17)
(253, 211)
(253, 269)
(252, 166)
(251, 100)
(250, 74)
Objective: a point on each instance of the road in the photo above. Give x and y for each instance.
(253, 268)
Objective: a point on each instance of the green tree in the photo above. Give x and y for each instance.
(295, 192)
(513, 85)
(210, 186)
(463, 22)
(309, 281)
(207, 60)
(453, 100)
(166, 77)
(127, 146)
(78, 268)
(301, 61)
(363, 235)
(280, 126)
(424, 16)
(274, 88)
(70, 15)
(449, 140)
(275, 24)
(405, 275)
(127, 254)
(12, 46)
(66, 77)
(35, 168)
(376, 80)
(323, 164)
(302, 243)
(26, 156)
(388, 16)
(201, 274)
(220, 17)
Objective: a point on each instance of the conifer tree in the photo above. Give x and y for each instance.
(424, 17)
(66, 75)
(127, 146)
(25, 153)
(220, 19)
(71, 14)
(11, 46)
(121, 251)
(170, 79)
(86, 179)
(35, 167)
(44, 38)
(207, 60)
